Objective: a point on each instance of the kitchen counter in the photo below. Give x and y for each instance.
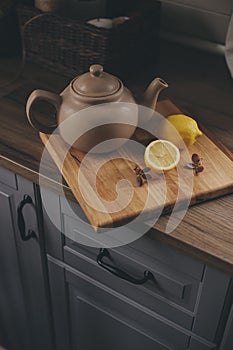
(199, 84)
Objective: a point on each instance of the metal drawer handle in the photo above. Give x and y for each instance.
(20, 219)
(120, 273)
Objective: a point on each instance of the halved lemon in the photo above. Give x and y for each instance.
(161, 155)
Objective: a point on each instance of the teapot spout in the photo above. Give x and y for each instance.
(150, 96)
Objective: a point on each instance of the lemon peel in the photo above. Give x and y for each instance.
(186, 127)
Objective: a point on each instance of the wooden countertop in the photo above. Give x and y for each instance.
(199, 83)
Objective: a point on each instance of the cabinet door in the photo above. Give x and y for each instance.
(92, 327)
(13, 319)
(24, 265)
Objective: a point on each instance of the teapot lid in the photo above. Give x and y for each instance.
(96, 83)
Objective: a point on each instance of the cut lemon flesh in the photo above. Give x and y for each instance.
(161, 155)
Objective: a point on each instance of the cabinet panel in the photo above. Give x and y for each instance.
(33, 266)
(126, 311)
(214, 292)
(59, 304)
(33, 317)
(227, 341)
(13, 319)
(91, 325)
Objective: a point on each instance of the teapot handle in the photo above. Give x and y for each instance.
(49, 97)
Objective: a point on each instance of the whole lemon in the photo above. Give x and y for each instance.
(186, 127)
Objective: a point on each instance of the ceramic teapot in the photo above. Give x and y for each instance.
(104, 119)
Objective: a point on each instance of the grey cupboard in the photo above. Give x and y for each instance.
(66, 300)
(25, 321)
(185, 306)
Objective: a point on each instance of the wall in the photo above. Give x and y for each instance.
(201, 20)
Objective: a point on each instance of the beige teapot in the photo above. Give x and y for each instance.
(112, 113)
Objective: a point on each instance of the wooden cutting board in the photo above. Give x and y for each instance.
(105, 207)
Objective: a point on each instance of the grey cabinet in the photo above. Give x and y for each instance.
(186, 306)
(65, 300)
(25, 321)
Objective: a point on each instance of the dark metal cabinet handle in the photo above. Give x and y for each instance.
(20, 219)
(120, 273)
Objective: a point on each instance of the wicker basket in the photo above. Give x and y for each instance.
(71, 46)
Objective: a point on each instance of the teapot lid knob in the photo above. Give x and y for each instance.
(96, 83)
(96, 70)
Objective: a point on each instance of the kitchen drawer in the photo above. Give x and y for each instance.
(8, 178)
(112, 311)
(169, 256)
(171, 294)
(74, 229)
